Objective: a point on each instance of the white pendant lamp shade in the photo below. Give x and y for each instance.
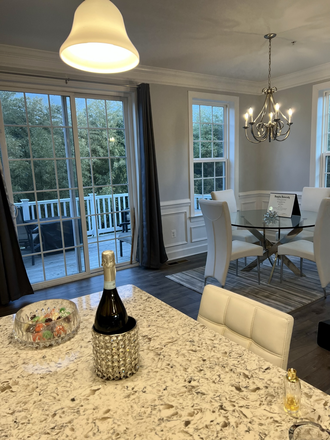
(98, 41)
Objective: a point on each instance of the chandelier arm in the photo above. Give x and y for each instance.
(247, 137)
(277, 129)
(281, 140)
(261, 138)
(286, 134)
(263, 111)
(284, 117)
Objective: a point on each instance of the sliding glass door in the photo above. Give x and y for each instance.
(65, 163)
(103, 158)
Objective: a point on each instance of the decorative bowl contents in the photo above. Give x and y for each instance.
(307, 429)
(46, 323)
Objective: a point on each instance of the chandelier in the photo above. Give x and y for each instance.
(278, 126)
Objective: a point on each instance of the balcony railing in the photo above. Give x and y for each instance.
(197, 197)
(103, 212)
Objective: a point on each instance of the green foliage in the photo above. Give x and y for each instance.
(35, 141)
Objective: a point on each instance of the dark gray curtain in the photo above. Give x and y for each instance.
(150, 247)
(14, 281)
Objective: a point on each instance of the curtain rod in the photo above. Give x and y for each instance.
(66, 80)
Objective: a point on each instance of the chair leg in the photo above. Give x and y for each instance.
(32, 248)
(237, 267)
(281, 273)
(324, 292)
(301, 266)
(258, 264)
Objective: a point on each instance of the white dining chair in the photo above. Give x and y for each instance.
(229, 196)
(311, 199)
(221, 249)
(261, 329)
(318, 250)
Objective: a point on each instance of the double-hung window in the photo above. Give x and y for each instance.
(320, 142)
(212, 145)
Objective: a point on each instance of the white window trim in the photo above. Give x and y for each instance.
(232, 103)
(316, 171)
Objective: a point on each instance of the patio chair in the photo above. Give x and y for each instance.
(125, 236)
(25, 233)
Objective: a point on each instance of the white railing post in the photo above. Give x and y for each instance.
(92, 212)
(25, 208)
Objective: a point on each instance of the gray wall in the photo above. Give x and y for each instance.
(285, 165)
(280, 166)
(171, 131)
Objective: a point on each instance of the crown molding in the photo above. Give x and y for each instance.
(20, 59)
(312, 75)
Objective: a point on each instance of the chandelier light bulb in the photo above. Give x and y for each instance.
(98, 41)
(277, 107)
(279, 126)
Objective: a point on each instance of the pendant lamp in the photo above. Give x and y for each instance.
(98, 41)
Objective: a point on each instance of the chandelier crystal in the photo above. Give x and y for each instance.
(270, 123)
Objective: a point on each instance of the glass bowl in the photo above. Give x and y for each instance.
(308, 430)
(46, 323)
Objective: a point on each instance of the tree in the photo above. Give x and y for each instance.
(35, 137)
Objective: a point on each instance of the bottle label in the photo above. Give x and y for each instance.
(109, 285)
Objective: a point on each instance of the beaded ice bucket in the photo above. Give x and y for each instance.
(116, 356)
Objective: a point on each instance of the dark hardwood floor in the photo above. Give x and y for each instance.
(311, 361)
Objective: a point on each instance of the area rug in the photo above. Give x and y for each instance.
(292, 294)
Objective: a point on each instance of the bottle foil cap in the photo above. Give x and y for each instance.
(109, 266)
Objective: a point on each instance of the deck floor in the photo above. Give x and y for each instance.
(51, 265)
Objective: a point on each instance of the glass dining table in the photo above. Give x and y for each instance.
(254, 220)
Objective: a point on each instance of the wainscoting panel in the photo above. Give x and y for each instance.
(185, 235)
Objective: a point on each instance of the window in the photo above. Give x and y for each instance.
(212, 145)
(66, 165)
(320, 142)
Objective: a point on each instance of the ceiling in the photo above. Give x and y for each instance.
(215, 37)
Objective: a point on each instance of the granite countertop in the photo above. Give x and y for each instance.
(192, 384)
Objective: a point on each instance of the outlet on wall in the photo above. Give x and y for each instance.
(173, 233)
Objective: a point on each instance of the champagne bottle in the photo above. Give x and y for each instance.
(111, 316)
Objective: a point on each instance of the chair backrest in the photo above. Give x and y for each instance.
(312, 197)
(259, 328)
(21, 230)
(219, 238)
(226, 195)
(19, 217)
(322, 242)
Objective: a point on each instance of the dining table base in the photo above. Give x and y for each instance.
(270, 248)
